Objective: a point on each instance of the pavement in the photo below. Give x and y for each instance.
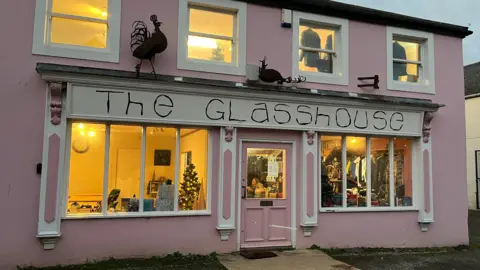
(449, 259)
(286, 260)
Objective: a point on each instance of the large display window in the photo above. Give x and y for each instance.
(359, 172)
(123, 169)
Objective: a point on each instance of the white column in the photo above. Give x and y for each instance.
(226, 182)
(423, 162)
(51, 179)
(309, 182)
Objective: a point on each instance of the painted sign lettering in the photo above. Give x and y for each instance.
(219, 111)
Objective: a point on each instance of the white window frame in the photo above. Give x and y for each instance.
(339, 76)
(140, 213)
(369, 208)
(426, 81)
(42, 30)
(238, 65)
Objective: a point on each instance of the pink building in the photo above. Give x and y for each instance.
(360, 142)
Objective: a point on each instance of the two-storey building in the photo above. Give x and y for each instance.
(126, 134)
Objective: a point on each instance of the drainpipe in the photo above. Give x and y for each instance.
(476, 178)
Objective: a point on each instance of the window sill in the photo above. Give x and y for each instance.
(207, 66)
(75, 52)
(140, 215)
(411, 87)
(371, 209)
(323, 78)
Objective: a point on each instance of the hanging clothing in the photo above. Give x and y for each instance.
(310, 39)
(399, 69)
(325, 64)
(363, 162)
(358, 169)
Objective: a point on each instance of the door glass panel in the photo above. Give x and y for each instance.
(266, 171)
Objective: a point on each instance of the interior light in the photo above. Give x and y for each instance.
(353, 141)
(82, 133)
(95, 10)
(202, 42)
(91, 133)
(80, 126)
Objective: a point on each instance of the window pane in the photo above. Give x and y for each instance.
(86, 8)
(266, 170)
(402, 169)
(208, 22)
(85, 186)
(192, 189)
(160, 169)
(332, 187)
(80, 33)
(406, 50)
(405, 72)
(318, 38)
(124, 168)
(209, 49)
(356, 172)
(380, 172)
(324, 62)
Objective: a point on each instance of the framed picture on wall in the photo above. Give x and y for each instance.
(188, 158)
(162, 157)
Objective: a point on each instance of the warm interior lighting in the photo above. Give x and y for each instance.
(353, 141)
(82, 133)
(202, 42)
(80, 126)
(91, 133)
(95, 10)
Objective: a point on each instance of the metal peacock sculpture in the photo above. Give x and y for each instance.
(146, 45)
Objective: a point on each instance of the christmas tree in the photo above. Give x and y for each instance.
(217, 53)
(189, 189)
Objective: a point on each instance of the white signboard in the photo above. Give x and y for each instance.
(157, 107)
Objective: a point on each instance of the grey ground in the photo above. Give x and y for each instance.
(454, 259)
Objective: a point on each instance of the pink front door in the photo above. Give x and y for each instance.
(266, 195)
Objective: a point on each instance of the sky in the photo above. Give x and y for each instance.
(460, 12)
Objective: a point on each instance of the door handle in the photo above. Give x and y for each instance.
(244, 192)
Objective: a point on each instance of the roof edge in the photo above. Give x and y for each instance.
(369, 15)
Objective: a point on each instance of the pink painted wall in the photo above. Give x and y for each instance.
(22, 107)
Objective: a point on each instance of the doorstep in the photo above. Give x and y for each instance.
(290, 259)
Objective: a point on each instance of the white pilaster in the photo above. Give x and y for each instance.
(49, 214)
(309, 202)
(228, 150)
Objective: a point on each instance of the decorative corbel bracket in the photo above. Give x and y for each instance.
(427, 126)
(310, 137)
(224, 233)
(48, 241)
(228, 134)
(307, 229)
(56, 89)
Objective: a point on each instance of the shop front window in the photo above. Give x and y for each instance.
(133, 169)
(366, 172)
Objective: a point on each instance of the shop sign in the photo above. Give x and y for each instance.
(156, 107)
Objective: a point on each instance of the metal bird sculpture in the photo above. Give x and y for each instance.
(272, 75)
(146, 45)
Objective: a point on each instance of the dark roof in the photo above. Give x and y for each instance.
(45, 68)
(358, 13)
(472, 79)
